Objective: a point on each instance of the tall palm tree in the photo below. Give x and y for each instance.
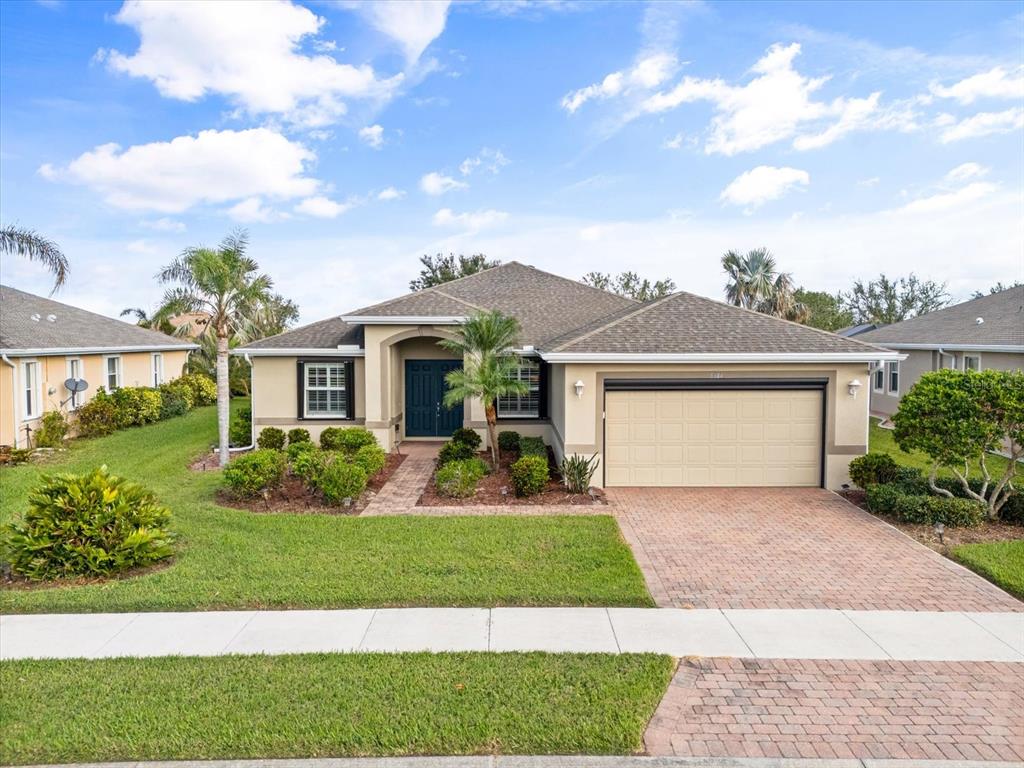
(222, 282)
(756, 283)
(35, 247)
(490, 368)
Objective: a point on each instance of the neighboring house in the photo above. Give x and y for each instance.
(43, 343)
(679, 391)
(856, 330)
(982, 333)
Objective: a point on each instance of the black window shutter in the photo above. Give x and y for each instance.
(542, 407)
(301, 390)
(350, 385)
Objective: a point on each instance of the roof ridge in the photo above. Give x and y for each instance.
(577, 282)
(959, 305)
(432, 289)
(437, 289)
(611, 323)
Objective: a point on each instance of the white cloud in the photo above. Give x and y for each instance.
(997, 83)
(648, 72)
(435, 184)
(372, 136)
(413, 24)
(869, 182)
(321, 207)
(984, 124)
(252, 210)
(676, 142)
(949, 201)
(164, 225)
(593, 233)
(248, 51)
(472, 222)
(492, 160)
(967, 171)
(761, 184)
(390, 193)
(211, 167)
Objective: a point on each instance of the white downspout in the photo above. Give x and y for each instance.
(14, 395)
(942, 353)
(252, 422)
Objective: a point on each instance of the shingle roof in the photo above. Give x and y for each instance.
(26, 324)
(684, 323)
(324, 334)
(1003, 324)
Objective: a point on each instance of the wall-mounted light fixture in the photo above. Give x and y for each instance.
(578, 386)
(853, 386)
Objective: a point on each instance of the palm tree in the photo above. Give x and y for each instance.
(35, 247)
(222, 282)
(143, 320)
(490, 368)
(756, 283)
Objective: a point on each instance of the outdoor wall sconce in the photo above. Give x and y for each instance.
(578, 386)
(853, 386)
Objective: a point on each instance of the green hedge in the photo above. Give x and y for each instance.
(926, 510)
(108, 412)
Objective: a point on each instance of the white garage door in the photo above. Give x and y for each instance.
(713, 438)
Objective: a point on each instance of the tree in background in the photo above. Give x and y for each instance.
(756, 283)
(143, 320)
(825, 310)
(443, 269)
(630, 285)
(883, 301)
(997, 288)
(35, 247)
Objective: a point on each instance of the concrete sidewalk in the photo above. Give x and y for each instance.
(775, 634)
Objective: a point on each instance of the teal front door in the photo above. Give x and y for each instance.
(425, 412)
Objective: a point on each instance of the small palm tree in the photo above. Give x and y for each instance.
(490, 368)
(222, 282)
(35, 247)
(756, 283)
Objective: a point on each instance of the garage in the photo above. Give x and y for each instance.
(728, 434)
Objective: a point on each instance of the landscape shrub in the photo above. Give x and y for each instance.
(182, 390)
(508, 440)
(882, 499)
(340, 480)
(240, 431)
(136, 406)
(1013, 509)
(910, 480)
(202, 387)
(577, 471)
(52, 429)
(532, 446)
(468, 436)
(298, 435)
(459, 479)
(453, 451)
(297, 449)
(309, 463)
(271, 438)
(98, 417)
(872, 468)
(13, 456)
(172, 402)
(922, 509)
(348, 439)
(371, 458)
(253, 473)
(529, 475)
(94, 524)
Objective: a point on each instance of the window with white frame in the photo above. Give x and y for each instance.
(972, 362)
(157, 364)
(325, 390)
(878, 380)
(947, 360)
(112, 372)
(526, 405)
(74, 371)
(30, 390)
(893, 371)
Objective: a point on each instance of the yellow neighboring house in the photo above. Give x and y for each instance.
(43, 343)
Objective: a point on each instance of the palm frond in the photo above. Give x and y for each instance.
(35, 247)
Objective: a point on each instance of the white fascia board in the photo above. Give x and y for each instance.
(714, 357)
(404, 319)
(300, 352)
(44, 352)
(1011, 348)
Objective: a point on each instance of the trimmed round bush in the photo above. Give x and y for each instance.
(1012, 510)
(910, 480)
(297, 449)
(371, 458)
(52, 430)
(529, 475)
(349, 439)
(533, 446)
(202, 387)
(330, 438)
(271, 438)
(340, 480)
(308, 463)
(508, 440)
(453, 451)
(458, 479)
(468, 436)
(298, 435)
(98, 417)
(94, 524)
(872, 469)
(252, 474)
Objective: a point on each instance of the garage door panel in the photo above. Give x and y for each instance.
(714, 438)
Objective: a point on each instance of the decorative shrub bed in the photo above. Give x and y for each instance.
(126, 407)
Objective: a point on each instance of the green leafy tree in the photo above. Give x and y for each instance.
(824, 310)
(956, 418)
(997, 288)
(884, 301)
(224, 283)
(443, 269)
(630, 285)
(756, 283)
(490, 368)
(35, 247)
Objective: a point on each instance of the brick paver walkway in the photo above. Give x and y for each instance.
(842, 709)
(787, 548)
(405, 486)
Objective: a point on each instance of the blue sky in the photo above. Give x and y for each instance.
(351, 138)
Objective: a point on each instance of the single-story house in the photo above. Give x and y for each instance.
(679, 391)
(43, 343)
(984, 333)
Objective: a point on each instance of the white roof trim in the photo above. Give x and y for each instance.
(300, 352)
(1012, 348)
(43, 352)
(404, 319)
(716, 357)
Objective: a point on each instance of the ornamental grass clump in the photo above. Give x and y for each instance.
(577, 471)
(94, 524)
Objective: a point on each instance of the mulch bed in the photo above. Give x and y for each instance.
(951, 537)
(489, 489)
(293, 496)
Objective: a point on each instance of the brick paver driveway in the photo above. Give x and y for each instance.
(787, 548)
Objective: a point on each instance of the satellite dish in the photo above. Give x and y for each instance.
(76, 385)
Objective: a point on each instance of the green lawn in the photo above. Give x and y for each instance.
(882, 440)
(230, 558)
(1001, 562)
(327, 705)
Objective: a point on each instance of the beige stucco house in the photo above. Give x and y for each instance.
(984, 333)
(679, 391)
(43, 343)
